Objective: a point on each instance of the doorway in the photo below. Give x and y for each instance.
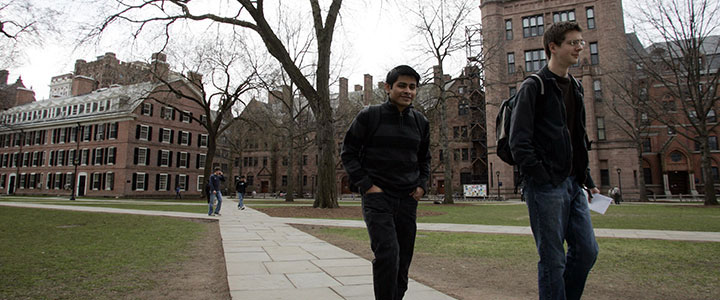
(11, 185)
(678, 181)
(264, 186)
(441, 187)
(81, 185)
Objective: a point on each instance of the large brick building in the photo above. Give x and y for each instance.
(264, 158)
(512, 39)
(111, 136)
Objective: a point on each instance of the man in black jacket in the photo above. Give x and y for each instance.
(549, 142)
(389, 162)
(215, 194)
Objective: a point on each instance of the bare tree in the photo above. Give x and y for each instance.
(684, 62)
(441, 24)
(251, 15)
(22, 23)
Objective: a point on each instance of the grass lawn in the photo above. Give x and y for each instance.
(627, 216)
(49, 254)
(650, 269)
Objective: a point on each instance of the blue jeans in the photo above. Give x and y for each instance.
(213, 196)
(240, 199)
(559, 214)
(391, 224)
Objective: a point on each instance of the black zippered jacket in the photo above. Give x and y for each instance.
(540, 141)
(396, 157)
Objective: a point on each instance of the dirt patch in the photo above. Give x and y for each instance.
(343, 212)
(202, 276)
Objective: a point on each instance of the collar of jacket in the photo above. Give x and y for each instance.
(549, 75)
(391, 106)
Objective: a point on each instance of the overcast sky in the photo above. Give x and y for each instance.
(374, 36)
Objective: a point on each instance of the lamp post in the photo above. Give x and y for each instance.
(619, 180)
(497, 174)
(76, 162)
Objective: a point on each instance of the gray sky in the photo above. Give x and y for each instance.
(374, 36)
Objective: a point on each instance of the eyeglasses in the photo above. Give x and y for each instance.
(576, 43)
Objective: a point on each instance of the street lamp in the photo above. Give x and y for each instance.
(76, 162)
(497, 174)
(619, 180)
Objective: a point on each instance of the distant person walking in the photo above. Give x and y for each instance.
(215, 194)
(240, 188)
(615, 194)
(177, 193)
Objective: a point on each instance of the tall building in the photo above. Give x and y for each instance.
(513, 49)
(13, 94)
(130, 138)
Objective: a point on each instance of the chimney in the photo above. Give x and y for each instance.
(24, 96)
(368, 92)
(4, 76)
(358, 87)
(79, 65)
(446, 78)
(275, 96)
(343, 92)
(159, 67)
(437, 75)
(195, 77)
(82, 85)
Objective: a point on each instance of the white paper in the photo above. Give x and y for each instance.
(600, 203)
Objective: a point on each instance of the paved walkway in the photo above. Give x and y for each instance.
(268, 259)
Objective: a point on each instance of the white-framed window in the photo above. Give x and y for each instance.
(533, 26)
(164, 158)
(201, 161)
(98, 156)
(508, 29)
(109, 181)
(562, 16)
(111, 155)
(84, 157)
(203, 140)
(183, 160)
(590, 14)
(163, 182)
(200, 182)
(165, 135)
(112, 130)
(146, 109)
(96, 181)
(144, 132)
(203, 119)
(186, 117)
(140, 181)
(100, 132)
(142, 156)
(534, 60)
(594, 54)
(184, 138)
(182, 182)
(167, 113)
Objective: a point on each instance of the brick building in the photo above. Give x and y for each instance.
(512, 39)
(13, 94)
(110, 138)
(264, 158)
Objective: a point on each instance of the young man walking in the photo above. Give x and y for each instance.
(215, 193)
(240, 187)
(389, 163)
(549, 142)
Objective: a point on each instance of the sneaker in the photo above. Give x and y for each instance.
(218, 214)
(210, 215)
(243, 207)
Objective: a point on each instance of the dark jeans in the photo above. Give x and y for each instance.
(391, 224)
(558, 214)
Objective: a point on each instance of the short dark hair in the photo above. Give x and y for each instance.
(217, 169)
(556, 34)
(393, 75)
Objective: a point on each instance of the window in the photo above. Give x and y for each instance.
(109, 181)
(96, 181)
(200, 182)
(265, 161)
(644, 120)
(512, 91)
(713, 143)
(463, 108)
(183, 160)
(511, 62)
(111, 155)
(203, 140)
(533, 26)
(146, 109)
(465, 154)
(182, 182)
(186, 117)
(164, 158)
(142, 156)
(144, 132)
(646, 145)
(711, 116)
(166, 135)
(594, 59)
(508, 29)
(604, 177)
(203, 119)
(140, 181)
(715, 173)
(590, 13)
(98, 156)
(671, 130)
(201, 161)
(597, 89)
(112, 130)
(647, 175)
(87, 133)
(534, 60)
(167, 113)
(676, 156)
(601, 128)
(562, 16)
(162, 182)
(184, 138)
(304, 160)
(284, 180)
(100, 132)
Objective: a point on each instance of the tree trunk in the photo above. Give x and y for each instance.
(326, 195)
(290, 196)
(709, 184)
(444, 141)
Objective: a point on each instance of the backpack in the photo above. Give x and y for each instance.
(502, 124)
(374, 122)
